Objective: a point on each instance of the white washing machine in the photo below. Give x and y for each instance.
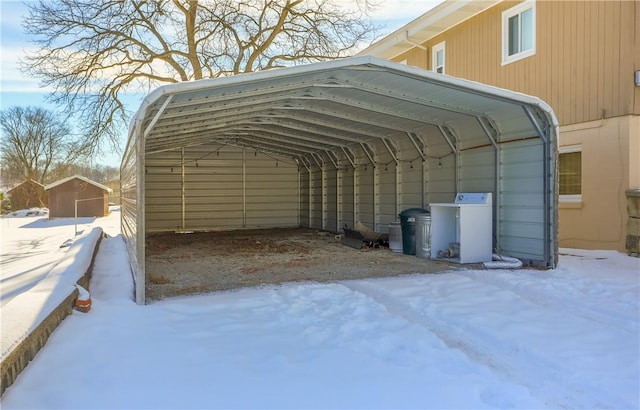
(462, 231)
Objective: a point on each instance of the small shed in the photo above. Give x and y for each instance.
(90, 198)
(28, 194)
(333, 143)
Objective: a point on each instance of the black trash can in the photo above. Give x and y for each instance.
(408, 225)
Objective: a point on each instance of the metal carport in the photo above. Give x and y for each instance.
(332, 143)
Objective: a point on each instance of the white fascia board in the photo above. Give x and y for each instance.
(443, 17)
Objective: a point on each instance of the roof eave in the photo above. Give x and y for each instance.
(437, 20)
(80, 177)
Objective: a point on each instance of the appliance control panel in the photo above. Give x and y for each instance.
(483, 198)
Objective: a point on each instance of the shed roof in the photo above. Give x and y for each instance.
(80, 177)
(28, 181)
(331, 109)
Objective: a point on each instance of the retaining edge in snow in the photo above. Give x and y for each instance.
(31, 317)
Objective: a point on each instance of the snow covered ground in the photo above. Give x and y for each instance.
(565, 338)
(30, 245)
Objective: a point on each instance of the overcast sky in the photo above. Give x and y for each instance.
(17, 89)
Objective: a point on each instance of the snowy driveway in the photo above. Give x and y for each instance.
(566, 338)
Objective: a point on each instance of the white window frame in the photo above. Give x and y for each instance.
(506, 15)
(570, 198)
(434, 54)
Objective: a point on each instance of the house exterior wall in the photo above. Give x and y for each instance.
(600, 219)
(584, 63)
(62, 200)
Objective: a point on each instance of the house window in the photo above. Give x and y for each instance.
(437, 58)
(570, 168)
(519, 32)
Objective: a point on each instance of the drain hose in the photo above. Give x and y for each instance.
(503, 262)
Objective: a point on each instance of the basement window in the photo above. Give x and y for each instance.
(570, 171)
(519, 32)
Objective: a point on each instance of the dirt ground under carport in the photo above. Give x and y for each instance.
(190, 263)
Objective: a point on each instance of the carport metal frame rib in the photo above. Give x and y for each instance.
(361, 115)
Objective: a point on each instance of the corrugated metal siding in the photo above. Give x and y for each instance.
(305, 198)
(331, 199)
(208, 170)
(387, 196)
(412, 185)
(347, 190)
(128, 196)
(163, 193)
(366, 204)
(440, 186)
(413, 158)
(521, 204)
(131, 221)
(214, 187)
(316, 198)
(263, 208)
(476, 170)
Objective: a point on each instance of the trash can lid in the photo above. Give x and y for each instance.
(413, 211)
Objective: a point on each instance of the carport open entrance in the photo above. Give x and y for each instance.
(329, 144)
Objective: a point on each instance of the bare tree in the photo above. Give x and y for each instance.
(92, 52)
(32, 141)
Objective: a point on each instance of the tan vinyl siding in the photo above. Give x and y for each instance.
(585, 57)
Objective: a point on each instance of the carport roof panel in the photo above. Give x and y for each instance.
(378, 96)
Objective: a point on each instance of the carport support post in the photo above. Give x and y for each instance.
(244, 188)
(355, 195)
(323, 183)
(309, 196)
(398, 193)
(338, 198)
(376, 195)
(182, 190)
(299, 196)
(497, 196)
(424, 169)
(548, 186)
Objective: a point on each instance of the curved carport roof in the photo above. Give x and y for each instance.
(350, 112)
